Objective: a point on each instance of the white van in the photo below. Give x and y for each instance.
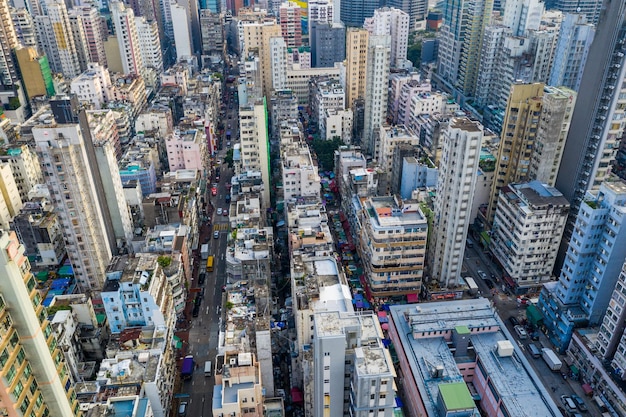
(208, 368)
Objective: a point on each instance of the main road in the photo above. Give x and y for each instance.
(204, 331)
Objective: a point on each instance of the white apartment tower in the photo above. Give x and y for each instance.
(526, 232)
(354, 374)
(150, 42)
(181, 24)
(68, 169)
(395, 23)
(54, 37)
(80, 39)
(127, 38)
(8, 73)
(376, 82)
(320, 11)
(455, 191)
(254, 142)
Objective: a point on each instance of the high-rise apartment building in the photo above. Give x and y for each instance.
(24, 25)
(594, 258)
(25, 168)
(69, 168)
(460, 41)
(212, 33)
(8, 71)
(148, 33)
(519, 130)
(456, 184)
(611, 340)
(35, 377)
(254, 141)
(557, 106)
(80, 39)
(256, 36)
(320, 11)
(35, 73)
(598, 119)
(355, 65)
(571, 51)
(10, 200)
(127, 38)
(416, 9)
(590, 8)
(527, 229)
(328, 44)
(349, 344)
(290, 23)
(55, 38)
(395, 23)
(182, 31)
(392, 245)
(376, 91)
(91, 22)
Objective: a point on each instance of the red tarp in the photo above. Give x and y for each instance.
(296, 396)
(412, 298)
(587, 389)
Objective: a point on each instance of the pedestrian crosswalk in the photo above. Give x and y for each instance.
(220, 226)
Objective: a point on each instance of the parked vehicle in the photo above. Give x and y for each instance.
(569, 404)
(186, 370)
(182, 409)
(521, 332)
(204, 251)
(208, 368)
(580, 403)
(514, 321)
(201, 278)
(551, 359)
(534, 350)
(471, 285)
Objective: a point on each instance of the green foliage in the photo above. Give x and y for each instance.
(325, 151)
(52, 310)
(14, 103)
(228, 159)
(414, 53)
(164, 261)
(229, 305)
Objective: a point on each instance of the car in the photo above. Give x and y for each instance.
(182, 409)
(228, 198)
(225, 212)
(217, 177)
(196, 311)
(580, 403)
(521, 332)
(214, 191)
(229, 125)
(201, 278)
(228, 144)
(219, 211)
(569, 404)
(216, 235)
(490, 284)
(482, 274)
(514, 321)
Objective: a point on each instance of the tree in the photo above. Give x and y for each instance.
(228, 159)
(164, 261)
(325, 151)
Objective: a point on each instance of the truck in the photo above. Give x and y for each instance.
(471, 285)
(204, 251)
(551, 359)
(208, 368)
(186, 369)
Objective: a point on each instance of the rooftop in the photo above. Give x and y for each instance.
(388, 212)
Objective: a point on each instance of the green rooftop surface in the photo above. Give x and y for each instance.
(456, 396)
(462, 330)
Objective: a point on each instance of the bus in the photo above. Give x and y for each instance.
(209, 264)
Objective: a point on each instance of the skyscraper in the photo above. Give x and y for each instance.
(460, 41)
(255, 141)
(590, 8)
(456, 184)
(182, 31)
(328, 44)
(70, 172)
(91, 22)
(34, 374)
(290, 23)
(354, 12)
(598, 118)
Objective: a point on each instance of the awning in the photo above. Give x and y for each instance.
(587, 389)
(509, 281)
(384, 326)
(533, 314)
(574, 369)
(399, 402)
(296, 396)
(412, 298)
